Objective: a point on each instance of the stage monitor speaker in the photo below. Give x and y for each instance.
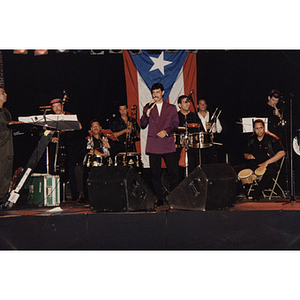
(208, 187)
(118, 189)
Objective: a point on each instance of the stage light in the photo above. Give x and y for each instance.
(153, 52)
(134, 52)
(97, 52)
(116, 51)
(40, 52)
(80, 51)
(62, 51)
(19, 51)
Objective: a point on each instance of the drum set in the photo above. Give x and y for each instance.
(132, 159)
(186, 140)
(194, 140)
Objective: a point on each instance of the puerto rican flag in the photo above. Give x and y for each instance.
(177, 71)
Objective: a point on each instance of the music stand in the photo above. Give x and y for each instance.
(70, 123)
(247, 124)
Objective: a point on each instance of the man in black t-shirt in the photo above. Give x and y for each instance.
(263, 152)
(189, 118)
(274, 114)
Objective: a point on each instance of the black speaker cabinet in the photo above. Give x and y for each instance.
(118, 189)
(208, 187)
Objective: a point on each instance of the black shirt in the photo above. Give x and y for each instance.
(191, 117)
(264, 149)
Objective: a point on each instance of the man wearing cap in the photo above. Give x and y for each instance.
(66, 150)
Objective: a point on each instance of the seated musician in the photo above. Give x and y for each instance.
(96, 146)
(263, 151)
(126, 129)
(96, 143)
(186, 117)
(210, 124)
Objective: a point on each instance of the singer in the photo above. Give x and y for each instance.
(162, 121)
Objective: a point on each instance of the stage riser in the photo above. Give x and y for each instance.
(223, 230)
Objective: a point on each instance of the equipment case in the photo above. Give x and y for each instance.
(44, 190)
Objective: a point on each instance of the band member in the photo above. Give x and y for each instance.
(6, 148)
(263, 151)
(210, 124)
(162, 121)
(97, 144)
(63, 154)
(185, 117)
(126, 130)
(274, 114)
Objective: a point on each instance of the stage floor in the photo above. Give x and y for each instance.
(263, 225)
(67, 208)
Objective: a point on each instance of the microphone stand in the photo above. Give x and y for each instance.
(198, 121)
(46, 108)
(292, 198)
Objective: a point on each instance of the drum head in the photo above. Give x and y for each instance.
(260, 172)
(245, 173)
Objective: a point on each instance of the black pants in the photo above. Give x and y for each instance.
(172, 169)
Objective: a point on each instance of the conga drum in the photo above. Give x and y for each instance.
(246, 176)
(259, 173)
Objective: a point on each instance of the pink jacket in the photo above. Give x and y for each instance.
(168, 121)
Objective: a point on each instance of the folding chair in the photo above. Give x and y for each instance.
(268, 193)
(275, 183)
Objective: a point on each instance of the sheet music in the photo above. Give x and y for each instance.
(247, 123)
(58, 122)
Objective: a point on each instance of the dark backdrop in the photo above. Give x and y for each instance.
(237, 80)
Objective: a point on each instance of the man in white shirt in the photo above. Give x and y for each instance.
(205, 118)
(208, 155)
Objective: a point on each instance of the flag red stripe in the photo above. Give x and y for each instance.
(190, 77)
(131, 88)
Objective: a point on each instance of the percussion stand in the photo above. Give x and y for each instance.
(198, 121)
(186, 144)
(292, 198)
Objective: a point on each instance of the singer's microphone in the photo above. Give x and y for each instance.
(190, 95)
(153, 103)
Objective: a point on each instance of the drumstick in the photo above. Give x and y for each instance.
(218, 144)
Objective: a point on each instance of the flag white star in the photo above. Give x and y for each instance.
(159, 63)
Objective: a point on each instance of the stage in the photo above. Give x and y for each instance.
(264, 225)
